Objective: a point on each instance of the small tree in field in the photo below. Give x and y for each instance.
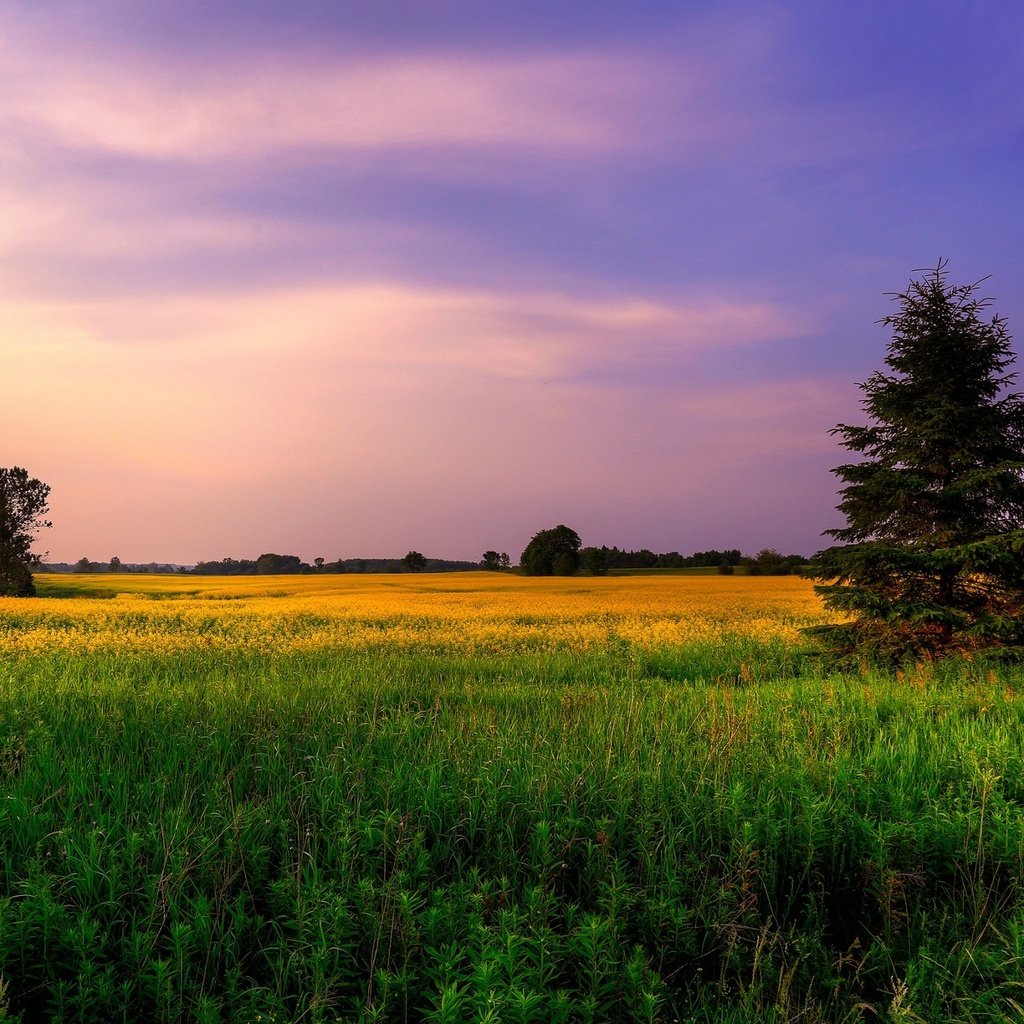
(496, 561)
(414, 561)
(931, 561)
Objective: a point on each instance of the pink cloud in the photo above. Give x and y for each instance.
(261, 104)
(725, 89)
(710, 94)
(500, 334)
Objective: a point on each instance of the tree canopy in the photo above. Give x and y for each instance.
(414, 561)
(24, 502)
(931, 556)
(272, 564)
(553, 552)
(495, 561)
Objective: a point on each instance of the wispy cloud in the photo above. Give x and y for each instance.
(563, 103)
(727, 87)
(711, 95)
(390, 326)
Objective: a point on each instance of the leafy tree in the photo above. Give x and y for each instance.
(768, 562)
(414, 561)
(540, 555)
(931, 560)
(271, 564)
(497, 561)
(23, 507)
(83, 565)
(115, 565)
(319, 563)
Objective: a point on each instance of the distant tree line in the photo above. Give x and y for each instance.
(271, 564)
(619, 558)
(558, 552)
(114, 565)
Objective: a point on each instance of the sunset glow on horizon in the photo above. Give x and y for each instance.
(344, 280)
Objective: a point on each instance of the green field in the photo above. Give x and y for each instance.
(618, 831)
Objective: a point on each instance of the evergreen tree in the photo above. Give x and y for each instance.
(931, 560)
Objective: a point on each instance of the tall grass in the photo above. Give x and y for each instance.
(617, 833)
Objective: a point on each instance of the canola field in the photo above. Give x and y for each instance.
(455, 614)
(478, 797)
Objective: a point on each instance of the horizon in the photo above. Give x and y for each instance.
(312, 278)
(308, 561)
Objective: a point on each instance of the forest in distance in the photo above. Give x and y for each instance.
(592, 560)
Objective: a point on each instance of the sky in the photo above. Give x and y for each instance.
(348, 279)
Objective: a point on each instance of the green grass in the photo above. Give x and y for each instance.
(533, 838)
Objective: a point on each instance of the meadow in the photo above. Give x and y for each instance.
(478, 797)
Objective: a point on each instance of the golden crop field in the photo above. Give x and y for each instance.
(444, 613)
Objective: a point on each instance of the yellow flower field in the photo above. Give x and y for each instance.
(443, 613)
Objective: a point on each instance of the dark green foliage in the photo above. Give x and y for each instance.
(414, 561)
(768, 562)
(565, 564)
(84, 565)
(496, 561)
(394, 839)
(931, 560)
(16, 581)
(617, 558)
(271, 564)
(226, 567)
(23, 508)
(701, 559)
(594, 561)
(551, 552)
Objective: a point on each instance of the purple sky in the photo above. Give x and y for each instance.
(348, 279)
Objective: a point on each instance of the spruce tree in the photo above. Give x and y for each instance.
(932, 556)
